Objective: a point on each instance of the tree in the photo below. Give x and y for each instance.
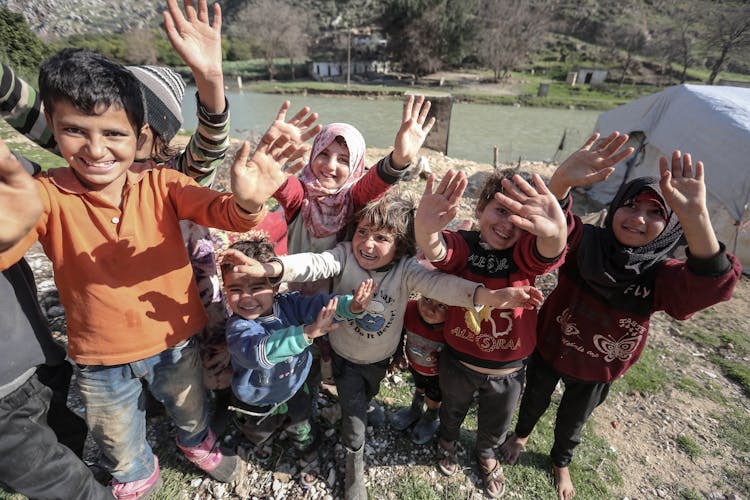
(414, 31)
(140, 47)
(275, 28)
(728, 31)
(630, 34)
(509, 31)
(674, 38)
(19, 47)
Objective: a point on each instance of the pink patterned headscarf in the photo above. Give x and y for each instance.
(325, 211)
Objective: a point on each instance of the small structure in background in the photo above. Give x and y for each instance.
(587, 76)
(332, 70)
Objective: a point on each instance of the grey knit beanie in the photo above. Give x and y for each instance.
(163, 90)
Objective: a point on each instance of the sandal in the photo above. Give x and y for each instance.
(492, 476)
(448, 464)
(309, 469)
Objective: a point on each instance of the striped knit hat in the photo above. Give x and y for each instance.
(163, 90)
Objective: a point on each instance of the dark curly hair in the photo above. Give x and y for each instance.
(256, 247)
(395, 213)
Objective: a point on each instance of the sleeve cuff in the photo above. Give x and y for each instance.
(388, 173)
(212, 118)
(711, 266)
(256, 217)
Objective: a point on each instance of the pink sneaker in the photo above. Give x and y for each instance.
(140, 489)
(210, 458)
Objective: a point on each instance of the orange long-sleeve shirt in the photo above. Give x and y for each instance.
(123, 274)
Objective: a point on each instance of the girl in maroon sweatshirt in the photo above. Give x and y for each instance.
(594, 325)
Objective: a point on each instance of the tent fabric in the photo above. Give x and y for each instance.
(712, 123)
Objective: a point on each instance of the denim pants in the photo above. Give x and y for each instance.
(578, 402)
(498, 397)
(32, 460)
(115, 406)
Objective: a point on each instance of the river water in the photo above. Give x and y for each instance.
(531, 133)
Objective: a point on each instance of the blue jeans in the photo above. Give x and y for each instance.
(115, 406)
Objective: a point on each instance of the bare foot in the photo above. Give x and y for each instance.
(564, 483)
(512, 447)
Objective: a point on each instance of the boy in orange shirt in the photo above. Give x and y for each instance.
(111, 228)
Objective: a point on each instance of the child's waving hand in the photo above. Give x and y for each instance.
(528, 297)
(256, 179)
(590, 164)
(297, 130)
(413, 131)
(19, 199)
(199, 44)
(437, 208)
(362, 296)
(324, 322)
(536, 210)
(684, 191)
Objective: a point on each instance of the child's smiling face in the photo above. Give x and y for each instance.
(638, 222)
(331, 166)
(495, 228)
(100, 148)
(249, 298)
(373, 247)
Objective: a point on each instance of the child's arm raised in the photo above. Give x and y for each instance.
(413, 131)
(254, 180)
(199, 44)
(528, 297)
(436, 209)
(20, 205)
(536, 210)
(588, 166)
(685, 192)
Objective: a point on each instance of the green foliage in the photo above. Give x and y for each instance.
(689, 446)
(690, 494)
(647, 375)
(111, 45)
(19, 47)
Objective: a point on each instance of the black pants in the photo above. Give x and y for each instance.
(356, 385)
(32, 461)
(578, 402)
(498, 397)
(69, 428)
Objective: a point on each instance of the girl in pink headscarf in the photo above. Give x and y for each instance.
(333, 185)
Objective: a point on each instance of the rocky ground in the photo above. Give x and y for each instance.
(641, 429)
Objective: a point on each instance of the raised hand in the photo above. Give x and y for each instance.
(324, 322)
(362, 296)
(197, 41)
(437, 208)
(683, 188)
(298, 129)
(534, 208)
(590, 164)
(256, 179)
(528, 297)
(413, 131)
(243, 264)
(19, 199)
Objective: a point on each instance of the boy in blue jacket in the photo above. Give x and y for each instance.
(269, 335)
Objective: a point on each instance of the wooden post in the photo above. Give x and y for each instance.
(239, 81)
(441, 109)
(496, 161)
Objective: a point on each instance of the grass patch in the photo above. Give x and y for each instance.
(22, 146)
(731, 362)
(689, 446)
(647, 376)
(690, 494)
(705, 390)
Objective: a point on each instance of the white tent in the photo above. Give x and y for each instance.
(712, 123)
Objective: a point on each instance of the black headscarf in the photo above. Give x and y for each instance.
(609, 267)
